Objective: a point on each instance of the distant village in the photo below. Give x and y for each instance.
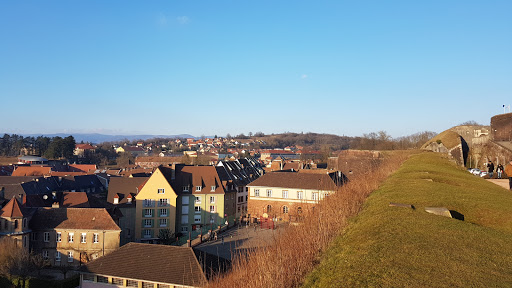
(165, 199)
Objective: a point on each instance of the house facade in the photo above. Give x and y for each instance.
(73, 236)
(284, 195)
(156, 206)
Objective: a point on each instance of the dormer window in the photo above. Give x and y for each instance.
(185, 188)
(129, 199)
(213, 188)
(198, 188)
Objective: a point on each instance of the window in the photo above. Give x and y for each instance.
(285, 209)
(212, 199)
(57, 256)
(34, 236)
(88, 277)
(197, 209)
(101, 279)
(163, 202)
(185, 188)
(148, 222)
(185, 200)
(212, 208)
(148, 203)
(314, 196)
(269, 208)
(184, 209)
(269, 193)
(46, 237)
(117, 281)
(184, 219)
(45, 254)
(256, 192)
(148, 212)
(116, 200)
(299, 194)
(239, 209)
(147, 233)
(184, 229)
(162, 286)
(246, 198)
(83, 238)
(198, 188)
(213, 188)
(163, 212)
(70, 256)
(95, 238)
(132, 283)
(197, 219)
(163, 222)
(299, 210)
(70, 237)
(24, 222)
(147, 285)
(198, 200)
(161, 191)
(285, 194)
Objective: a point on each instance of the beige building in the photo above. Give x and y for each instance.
(14, 223)
(287, 194)
(73, 236)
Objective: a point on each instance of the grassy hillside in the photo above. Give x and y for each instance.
(398, 247)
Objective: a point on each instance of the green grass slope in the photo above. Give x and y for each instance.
(399, 247)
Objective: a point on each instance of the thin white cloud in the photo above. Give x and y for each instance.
(162, 20)
(183, 20)
(304, 76)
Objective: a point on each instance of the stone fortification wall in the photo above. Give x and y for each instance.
(472, 134)
(501, 127)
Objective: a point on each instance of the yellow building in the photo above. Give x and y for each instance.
(156, 206)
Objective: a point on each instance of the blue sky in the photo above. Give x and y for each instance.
(217, 67)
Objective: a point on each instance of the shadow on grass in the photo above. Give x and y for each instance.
(457, 215)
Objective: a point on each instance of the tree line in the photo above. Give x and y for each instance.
(48, 147)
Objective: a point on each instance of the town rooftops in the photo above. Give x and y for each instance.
(150, 262)
(297, 181)
(73, 218)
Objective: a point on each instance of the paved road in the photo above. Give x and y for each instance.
(238, 240)
(501, 182)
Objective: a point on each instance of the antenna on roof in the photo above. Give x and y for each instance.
(505, 107)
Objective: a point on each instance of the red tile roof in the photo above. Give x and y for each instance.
(84, 146)
(12, 209)
(151, 262)
(295, 180)
(81, 167)
(32, 171)
(73, 218)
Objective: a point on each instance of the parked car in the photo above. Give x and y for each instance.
(475, 171)
(483, 174)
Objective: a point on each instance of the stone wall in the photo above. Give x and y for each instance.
(501, 127)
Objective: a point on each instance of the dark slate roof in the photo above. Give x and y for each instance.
(72, 218)
(296, 181)
(150, 262)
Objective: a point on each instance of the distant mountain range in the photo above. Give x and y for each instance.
(99, 138)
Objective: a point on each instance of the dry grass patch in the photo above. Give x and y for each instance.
(295, 252)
